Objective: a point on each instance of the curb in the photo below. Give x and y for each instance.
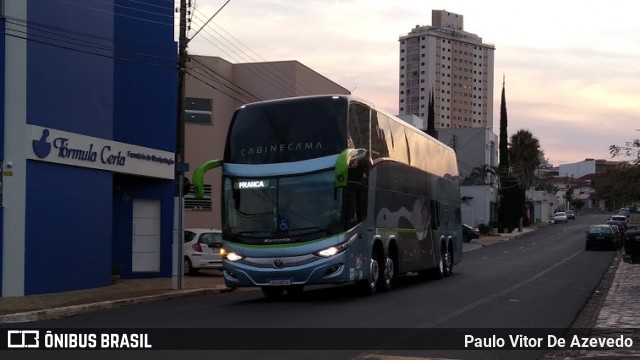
(66, 311)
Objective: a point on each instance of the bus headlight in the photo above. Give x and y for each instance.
(231, 256)
(329, 252)
(334, 250)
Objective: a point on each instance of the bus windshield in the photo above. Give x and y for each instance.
(287, 131)
(282, 210)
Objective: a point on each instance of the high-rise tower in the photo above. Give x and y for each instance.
(456, 65)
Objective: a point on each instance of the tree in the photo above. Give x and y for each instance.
(628, 149)
(431, 117)
(504, 136)
(480, 175)
(619, 186)
(511, 203)
(524, 157)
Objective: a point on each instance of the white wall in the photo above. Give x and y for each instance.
(477, 209)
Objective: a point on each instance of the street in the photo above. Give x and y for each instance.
(539, 280)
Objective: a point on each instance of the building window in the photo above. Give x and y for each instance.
(198, 111)
(193, 203)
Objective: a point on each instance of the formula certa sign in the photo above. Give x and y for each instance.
(61, 147)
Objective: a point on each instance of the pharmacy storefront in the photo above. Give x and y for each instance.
(90, 205)
(87, 144)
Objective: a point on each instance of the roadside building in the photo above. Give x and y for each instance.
(87, 144)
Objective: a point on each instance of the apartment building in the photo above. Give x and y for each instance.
(457, 66)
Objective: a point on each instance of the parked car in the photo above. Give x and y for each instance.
(601, 235)
(469, 233)
(570, 214)
(201, 249)
(620, 217)
(626, 212)
(622, 225)
(560, 217)
(618, 234)
(631, 246)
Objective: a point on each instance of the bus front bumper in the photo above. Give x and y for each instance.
(309, 270)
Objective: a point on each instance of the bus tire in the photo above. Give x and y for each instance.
(272, 292)
(388, 272)
(448, 260)
(370, 285)
(440, 271)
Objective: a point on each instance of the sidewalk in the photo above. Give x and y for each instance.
(123, 292)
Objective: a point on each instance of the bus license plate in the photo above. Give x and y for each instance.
(280, 282)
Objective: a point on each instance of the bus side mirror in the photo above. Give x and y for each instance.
(197, 178)
(343, 162)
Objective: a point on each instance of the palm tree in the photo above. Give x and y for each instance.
(524, 157)
(481, 175)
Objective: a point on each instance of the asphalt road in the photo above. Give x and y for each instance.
(539, 280)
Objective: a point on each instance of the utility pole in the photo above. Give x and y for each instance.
(181, 166)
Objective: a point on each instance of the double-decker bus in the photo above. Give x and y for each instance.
(331, 190)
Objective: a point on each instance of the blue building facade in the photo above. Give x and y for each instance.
(88, 137)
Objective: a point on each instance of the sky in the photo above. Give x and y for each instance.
(571, 67)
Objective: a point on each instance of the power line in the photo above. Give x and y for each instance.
(214, 87)
(117, 14)
(269, 69)
(274, 84)
(258, 55)
(212, 16)
(109, 56)
(247, 94)
(69, 40)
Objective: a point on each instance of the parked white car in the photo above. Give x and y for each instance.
(620, 218)
(201, 249)
(560, 217)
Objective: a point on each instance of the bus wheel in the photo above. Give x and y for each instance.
(370, 285)
(448, 261)
(272, 292)
(440, 271)
(387, 274)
